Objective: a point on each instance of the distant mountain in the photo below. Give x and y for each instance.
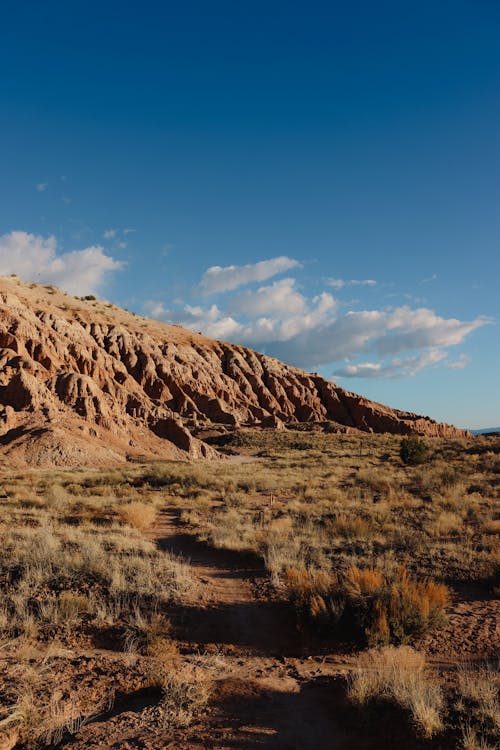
(485, 430)
(85, 382)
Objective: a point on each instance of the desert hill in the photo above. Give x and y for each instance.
(85, 382)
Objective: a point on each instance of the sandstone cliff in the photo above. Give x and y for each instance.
(85, 382)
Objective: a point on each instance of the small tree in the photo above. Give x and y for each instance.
(413, 450)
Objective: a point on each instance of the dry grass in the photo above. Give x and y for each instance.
(75, 570)
(399, 675)
(138, 515)
(185, 694)
(478, 706)
(349, 499)
(472, 741)
(39, 714)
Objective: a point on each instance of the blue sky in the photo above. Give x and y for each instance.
(319, 181)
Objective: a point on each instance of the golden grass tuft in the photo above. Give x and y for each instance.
(399, 675)
(138, 515)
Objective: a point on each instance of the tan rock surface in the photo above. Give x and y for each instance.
(85, 382)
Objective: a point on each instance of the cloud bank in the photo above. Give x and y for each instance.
(223, 279)
(310, 332)
(35, 258)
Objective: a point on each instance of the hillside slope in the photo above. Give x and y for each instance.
(85, 382)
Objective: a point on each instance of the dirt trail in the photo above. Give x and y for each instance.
(268, 694)
(229, 616)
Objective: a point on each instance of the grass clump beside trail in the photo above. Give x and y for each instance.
(400, 675)
(378, 608)
(462, 712)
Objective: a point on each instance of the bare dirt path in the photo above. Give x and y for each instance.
(268, 693)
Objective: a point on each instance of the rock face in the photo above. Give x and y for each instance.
(84, 382)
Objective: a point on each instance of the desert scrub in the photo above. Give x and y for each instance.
(35, 713)
(400, 676)
(413, 451)
(185, 693)
(381, 608)
(137, 514)
(54, 574)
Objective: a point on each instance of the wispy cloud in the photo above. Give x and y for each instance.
(42, 187)
(460, 363)
(340, 283)
(35, 258)
(223, 279)
(108, 234)
(396, 368)
(429, 279)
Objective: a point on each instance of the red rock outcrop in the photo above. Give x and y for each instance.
(82, 381)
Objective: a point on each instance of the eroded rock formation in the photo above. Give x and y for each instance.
(84, 382)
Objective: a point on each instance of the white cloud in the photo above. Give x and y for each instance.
(385, 332)
(35, 258)
(42, 186)
(396, 368)
(315, 334)
(308, 332)
(223, 279)
(429, 279)
(128, 230)
(280, 298)
(270, 314)
(340, 283)
(108, 234)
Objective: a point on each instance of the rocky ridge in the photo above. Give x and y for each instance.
(85, 382)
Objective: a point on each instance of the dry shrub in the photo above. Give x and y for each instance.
(415, 607)
(394, 608)
(149, 633)
(447, 523)
(278, 545)
(491, 527)
(383, 608)
(351, 527)
(232, 530)
(138, 515)
(185, 694)
(399, 675)
(363, 582)
(313, 594)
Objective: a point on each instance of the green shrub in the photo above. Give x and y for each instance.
(413, 450)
